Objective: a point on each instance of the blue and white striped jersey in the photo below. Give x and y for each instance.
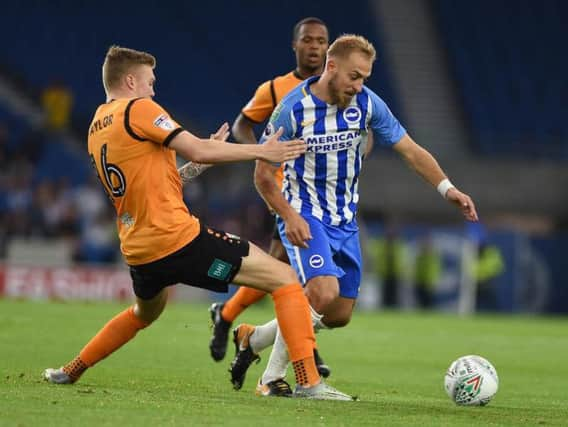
(323, 182)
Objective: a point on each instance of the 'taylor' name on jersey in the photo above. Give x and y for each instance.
(332, 141)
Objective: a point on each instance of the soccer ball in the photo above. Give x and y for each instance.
(471, 380)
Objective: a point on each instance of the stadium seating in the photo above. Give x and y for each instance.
(511, 72)
(208, 63)
(50, 151)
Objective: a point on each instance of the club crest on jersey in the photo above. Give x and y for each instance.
(316, 261)
(164, 122)
(352, 114)
(269, 129)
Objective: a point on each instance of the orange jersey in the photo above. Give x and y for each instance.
(128, 145)
(268, 95)
(265, 100)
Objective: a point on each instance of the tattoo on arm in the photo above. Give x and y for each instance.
(191, 170)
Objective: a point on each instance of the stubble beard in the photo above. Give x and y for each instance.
(342, 101)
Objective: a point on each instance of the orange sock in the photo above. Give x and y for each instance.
(294, 319)
(240, 301)
(75, 368)
(304, 375)
(117, 332)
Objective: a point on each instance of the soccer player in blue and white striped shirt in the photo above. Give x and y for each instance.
(316, 207)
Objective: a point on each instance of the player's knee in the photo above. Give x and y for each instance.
(150, 310)
(320, 297)
(337, 322)
(282, 275)
(147, 316)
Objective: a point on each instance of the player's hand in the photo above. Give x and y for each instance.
(191, 169)
(463, 202)
(222, 133)
(297, 230)
(275, 151)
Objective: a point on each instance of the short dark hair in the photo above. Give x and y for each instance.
(309, 20)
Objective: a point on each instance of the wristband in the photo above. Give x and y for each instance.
(444, 186)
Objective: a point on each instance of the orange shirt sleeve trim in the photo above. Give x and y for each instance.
(149, 121)
(127, 121)
(250, 119)
(260, 107)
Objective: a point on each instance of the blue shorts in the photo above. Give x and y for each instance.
(334, 251)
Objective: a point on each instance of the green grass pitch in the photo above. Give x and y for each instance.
(394, 362)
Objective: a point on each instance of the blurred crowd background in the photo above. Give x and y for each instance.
(482, 85)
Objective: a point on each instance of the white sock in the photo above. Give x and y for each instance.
(316, 320)
(278, 362)
(263, 336)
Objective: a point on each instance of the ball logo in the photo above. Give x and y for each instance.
(473, 384)
(352, 114)
(316, 261)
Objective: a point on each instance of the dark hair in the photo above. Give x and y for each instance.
(310, 20)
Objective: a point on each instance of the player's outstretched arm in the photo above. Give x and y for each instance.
(281, 151)
(426, 166)
(195, 149)
(222, 133)
(297, 229)
(192, 169)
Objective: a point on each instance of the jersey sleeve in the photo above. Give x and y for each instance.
(261, 104)
(145, 120)
(383, 122)
(281, 118)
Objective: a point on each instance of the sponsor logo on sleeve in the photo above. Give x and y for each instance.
(276, 112)
(164, 122)
(269, 129)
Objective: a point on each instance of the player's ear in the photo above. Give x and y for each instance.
(331, 64)
(130, 81)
